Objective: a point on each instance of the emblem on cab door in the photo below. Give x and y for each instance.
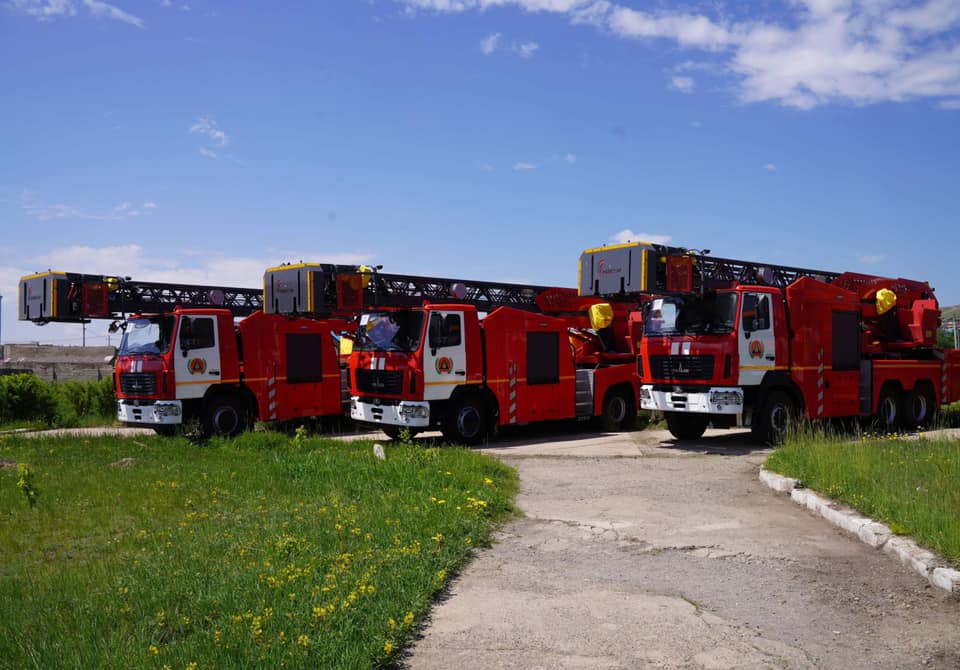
(444, 365)
(197, 366)
(756, 349)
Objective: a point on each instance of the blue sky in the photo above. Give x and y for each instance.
(198, 141)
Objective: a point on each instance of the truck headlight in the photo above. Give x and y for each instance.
(726, 398)
(414, 411)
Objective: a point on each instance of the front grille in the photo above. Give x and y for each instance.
(380, 381)
(681, 367)
(138, 383)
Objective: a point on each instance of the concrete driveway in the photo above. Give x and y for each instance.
(636, 551)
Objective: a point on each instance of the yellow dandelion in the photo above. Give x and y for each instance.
(388, 647)
(191, 666)
(391, 624)
(303, 641)
(408, 619)
(153, 650)
(487, 481)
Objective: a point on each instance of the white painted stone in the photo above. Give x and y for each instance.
(777, 482)
(799, 496)
(874, 533)
(911, 554)
(815, 503)
(946, 578)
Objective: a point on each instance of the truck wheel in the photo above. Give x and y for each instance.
(775, 419)
(466, 421)
(687, 426)
(920, 407)
(224, 417)
(617, 413)
(393, 432)
(889, 410)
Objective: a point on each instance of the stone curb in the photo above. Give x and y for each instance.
(927, 564)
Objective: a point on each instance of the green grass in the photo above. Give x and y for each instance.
(261, 552)
(909, 484)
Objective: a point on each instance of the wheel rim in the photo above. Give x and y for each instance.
(618, 409)
(780, 419)
(888, 411)
(225, 420)
(468, 422)
(920, 408)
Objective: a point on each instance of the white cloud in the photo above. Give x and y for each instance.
(570, 158)
(525, 166)
(950, 104)
(628, 235)
(37, 209)
(770, 167)
(526, 49)
(46, 10)
(871, 259)
(682, 84)
(805, 54)
(207, 153)
(489, 43)
(102, 9)
(149, 205)
(208, 127)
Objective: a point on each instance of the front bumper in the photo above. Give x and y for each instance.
(150, 412)
(405, 413)
(716, 400)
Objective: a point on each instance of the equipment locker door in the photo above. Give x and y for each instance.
(196, 356)
(444, 355)
(757, 341)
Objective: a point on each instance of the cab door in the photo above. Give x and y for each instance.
(444, 355)
(196, 356)
(757, 339)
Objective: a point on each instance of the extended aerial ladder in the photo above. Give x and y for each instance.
(639, 268)
(321, 289)
(72, 297)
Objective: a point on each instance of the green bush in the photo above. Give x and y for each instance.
(950, 415)
(26, 399)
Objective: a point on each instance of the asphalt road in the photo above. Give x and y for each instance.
(635, 551)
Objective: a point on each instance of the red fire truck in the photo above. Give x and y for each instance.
(730, 342)
(532, 357)
(185, 357)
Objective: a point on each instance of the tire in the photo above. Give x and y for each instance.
(919, 408)
(686, 425)
(776, 418)
(889, 410)
(466, 421)
(167, 430)
(617, 415)
(224, 416)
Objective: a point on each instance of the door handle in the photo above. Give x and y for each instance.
(460, 372)
(215, 373)
(771, 358)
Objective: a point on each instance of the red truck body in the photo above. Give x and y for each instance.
(202, 366)
(469, 376)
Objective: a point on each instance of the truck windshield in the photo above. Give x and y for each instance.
(710, 314)
(390, 331)
(147, 336)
